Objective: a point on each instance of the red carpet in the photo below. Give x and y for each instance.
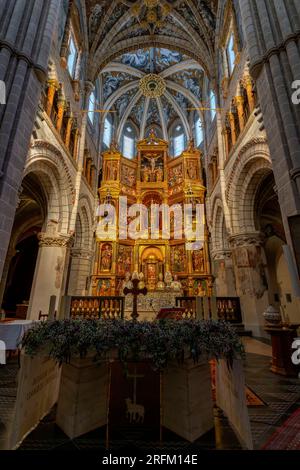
(251, 398)
(287, 437)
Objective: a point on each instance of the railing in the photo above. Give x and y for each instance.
(228, 308)
(189, 305)
(94, 308)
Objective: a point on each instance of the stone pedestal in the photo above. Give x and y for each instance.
(282, 339)
(187, 407)
(83, 397)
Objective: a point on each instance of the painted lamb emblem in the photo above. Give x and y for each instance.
(134, 412)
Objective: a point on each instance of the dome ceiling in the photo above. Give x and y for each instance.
(182, 79)
(173, 40)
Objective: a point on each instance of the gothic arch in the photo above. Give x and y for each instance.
(47, 163)
(250, 168)
(84, 225)
(219, 235)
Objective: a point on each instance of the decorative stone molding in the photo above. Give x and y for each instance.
(251, 145)
(52, 152)
(50, 240)
(246, 239)
(81, 253)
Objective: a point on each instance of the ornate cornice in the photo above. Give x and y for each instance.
(50, 240)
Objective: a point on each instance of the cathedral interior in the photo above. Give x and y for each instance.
(160, 102)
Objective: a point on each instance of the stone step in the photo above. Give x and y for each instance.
(240, 329)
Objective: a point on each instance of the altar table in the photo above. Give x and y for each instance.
(11, 332)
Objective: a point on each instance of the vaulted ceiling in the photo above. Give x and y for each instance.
(129, 39)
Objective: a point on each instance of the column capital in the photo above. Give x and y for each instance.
(246, 239)
(50, 240)
(221, 254)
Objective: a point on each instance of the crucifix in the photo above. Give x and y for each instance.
(135, 291)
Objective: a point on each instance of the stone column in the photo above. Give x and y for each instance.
(60, 114)
(274, 65)
(53, 86)
(65, 41)
(225, 133)
(80, 270)
(249, 90)
(68, 131)
(239, 102)
(50, 273)
(232, 127)
(80, 160)
(249, 264)
(25, 41)
(75, 149)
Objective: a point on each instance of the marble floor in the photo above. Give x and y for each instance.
(280, 396)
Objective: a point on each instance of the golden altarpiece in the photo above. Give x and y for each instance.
(153, 177)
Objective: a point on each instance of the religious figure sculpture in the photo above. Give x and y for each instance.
(168, 279)
(127, 282)
(141, 284)
(160, 285)
(106, 257)
(159, 175)
(176, 284)
(192, 170)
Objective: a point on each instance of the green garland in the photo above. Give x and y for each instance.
(159, 341)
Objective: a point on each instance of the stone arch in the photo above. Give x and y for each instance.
(252, 165)
(219, 234)
(128, 45)
(47, 163)
(84, 225)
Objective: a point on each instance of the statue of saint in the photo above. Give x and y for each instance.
(127, 282)
(168, 279)
(159, 175)
(160, 285)
(141, 284)
(176, 284)
(106, 257)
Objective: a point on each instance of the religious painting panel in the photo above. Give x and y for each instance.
(124, 260)
(198, 261)
(175, 175)
(134, 401)
(111, 170)
(200, 287)
(192, 169)
(105, 257)
(178, 259)
(104, 287)
(241, 257)
(128, 176)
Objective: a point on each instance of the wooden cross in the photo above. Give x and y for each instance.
(134, 376)
(135, 291)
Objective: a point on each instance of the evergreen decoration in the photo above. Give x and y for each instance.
(158, 342)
